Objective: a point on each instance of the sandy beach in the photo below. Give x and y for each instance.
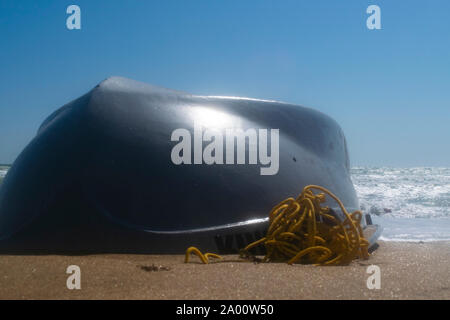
(408, 271)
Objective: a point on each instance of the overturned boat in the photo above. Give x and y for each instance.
(130, 167)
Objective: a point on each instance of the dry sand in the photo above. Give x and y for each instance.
(408, 271)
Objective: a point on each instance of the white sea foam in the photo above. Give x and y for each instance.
(412, 204)
(3, 173)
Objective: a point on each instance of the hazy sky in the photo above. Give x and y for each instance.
(389, 89)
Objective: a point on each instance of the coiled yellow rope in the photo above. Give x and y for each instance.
(301, 230)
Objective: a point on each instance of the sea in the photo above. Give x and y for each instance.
(3, 171)
(411, 204)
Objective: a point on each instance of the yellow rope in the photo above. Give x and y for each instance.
(203, 257)
(301, 230)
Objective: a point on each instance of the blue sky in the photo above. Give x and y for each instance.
(389, 89)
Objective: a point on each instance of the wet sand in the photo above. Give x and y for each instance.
(408, 271)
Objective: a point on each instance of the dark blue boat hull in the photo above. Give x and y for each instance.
(98, 176)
